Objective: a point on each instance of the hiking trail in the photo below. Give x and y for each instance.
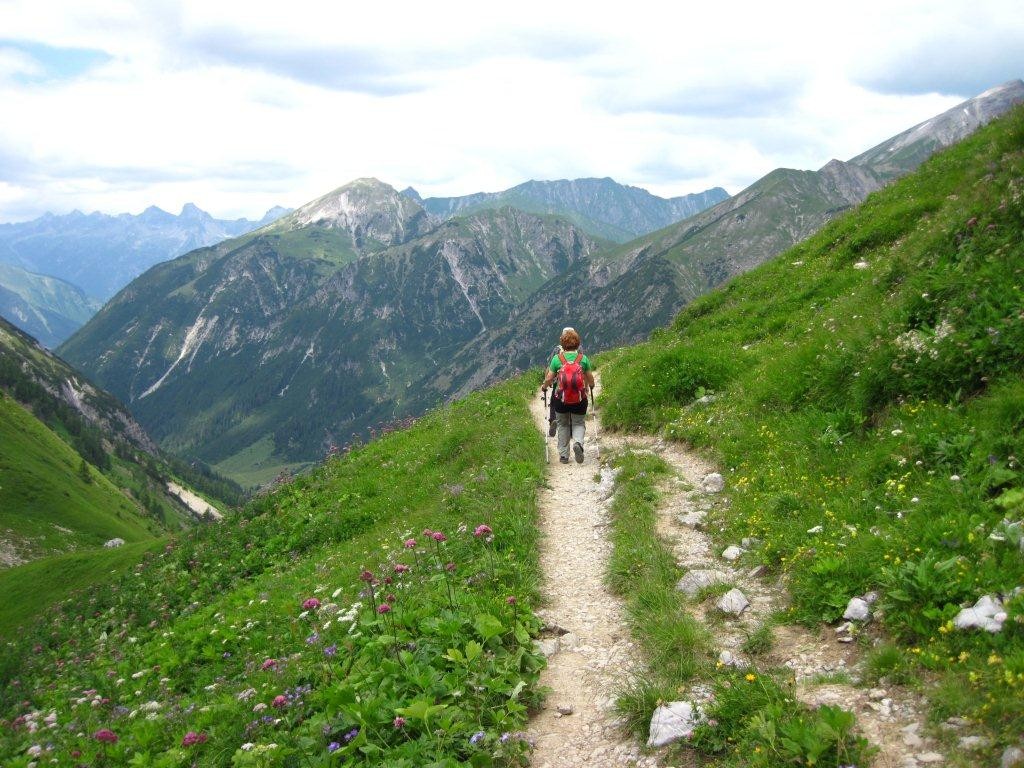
(590, 652)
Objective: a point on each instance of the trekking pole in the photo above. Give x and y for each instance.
(597, 441)
(547, 443)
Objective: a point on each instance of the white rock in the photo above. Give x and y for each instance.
(750, 542)
(673, 721)
(693, 519)
(974, 742)
(1012, 757)
(987, 614)
(733, 602)
(548, 647)
(816, 529)
(730, 659)
(870, 597)
(569, 641)
(732, 553)
(696, 580)
(929, 757)
(713, 483)
(857, 610)
(861, 265)
(117, 542)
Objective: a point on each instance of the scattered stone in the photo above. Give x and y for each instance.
(877, 694)
(816, 529)
(974, 742)
(569, 641)
(730, 659)
(1012, 757)
(113, 543)
(672, 722)
(701, 578)
(987, 614)
(733, 602)
(956, 722)
(548, 647)
(861, 265)
(757, 571)
(870, 597)
(929, 757)
(713, 483)
(693, 519)
(750, 542)
(705, 400)
(565, 710)
(857, 610)
(732, 553)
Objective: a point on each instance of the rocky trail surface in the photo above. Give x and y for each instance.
(587, 641)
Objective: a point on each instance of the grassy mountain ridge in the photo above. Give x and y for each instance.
(45, 307)
(600, 207)
(868, 405)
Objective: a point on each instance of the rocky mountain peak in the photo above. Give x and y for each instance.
(371, 210)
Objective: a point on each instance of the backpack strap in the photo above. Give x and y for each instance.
(561, 358)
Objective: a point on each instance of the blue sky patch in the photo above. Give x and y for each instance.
(55, 63)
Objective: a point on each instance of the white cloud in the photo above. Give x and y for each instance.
(239, 106)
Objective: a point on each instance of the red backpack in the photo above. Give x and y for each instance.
(571, 384)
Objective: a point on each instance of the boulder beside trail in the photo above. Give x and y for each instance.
(672, 722)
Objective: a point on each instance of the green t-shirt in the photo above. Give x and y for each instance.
(556, 364)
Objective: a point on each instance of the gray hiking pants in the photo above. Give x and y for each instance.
(569, 425)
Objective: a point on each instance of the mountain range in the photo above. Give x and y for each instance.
(601, 207)
(56, 271)
(262, 352)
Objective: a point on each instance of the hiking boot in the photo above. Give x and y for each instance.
(577, 450)
(564, 459)
(552, 428)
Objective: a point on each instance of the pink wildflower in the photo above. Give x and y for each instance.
(409, 544)
(193, 738)
(439, 537)
(401, 568)
(268, 664)
(391, 598)
(310, 604)
(366, 576)
(383, 608)
(511, 600)
(399, 722)
(428, 533)
(450, 567)
(279, 702)
(482, 530)
(106, 736)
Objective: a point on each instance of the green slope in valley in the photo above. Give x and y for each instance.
(50, 498)
(259, 635)
(45, 307)
(868, 408)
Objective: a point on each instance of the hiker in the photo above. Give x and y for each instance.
(574, 373)
(554, 392)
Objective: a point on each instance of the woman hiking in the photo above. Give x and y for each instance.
(574, 374)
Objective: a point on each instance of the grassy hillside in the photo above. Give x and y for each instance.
(321, 625)
(51, 499)
(868, 412)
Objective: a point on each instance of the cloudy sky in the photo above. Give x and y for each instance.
(114, 105)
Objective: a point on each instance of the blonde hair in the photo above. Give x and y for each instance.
(570, 340)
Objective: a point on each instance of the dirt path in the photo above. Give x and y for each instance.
(591, 653)
(891, 718)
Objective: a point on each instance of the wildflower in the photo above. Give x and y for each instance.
(450, 567)
(477, 737)
(383, 608)
(439, 537)
(312, 639)
(482, 530)
(398, 722)
(192, 738)
(333, 746)
(511, 600)
(401, 568)
(750, 677)
(106, 736)
(259, 707)
(428, 533)
(280, 701)
(409, 544)
(268, 664)
(330, 650)
(366, 576)
(391, 598)
(310, 604)
(351, 735)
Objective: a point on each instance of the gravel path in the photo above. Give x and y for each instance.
(587, 637)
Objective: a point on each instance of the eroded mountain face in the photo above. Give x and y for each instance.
(313, 329)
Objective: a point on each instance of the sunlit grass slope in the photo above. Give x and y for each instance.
(50, 499)
(869, 417)
(323, 624)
